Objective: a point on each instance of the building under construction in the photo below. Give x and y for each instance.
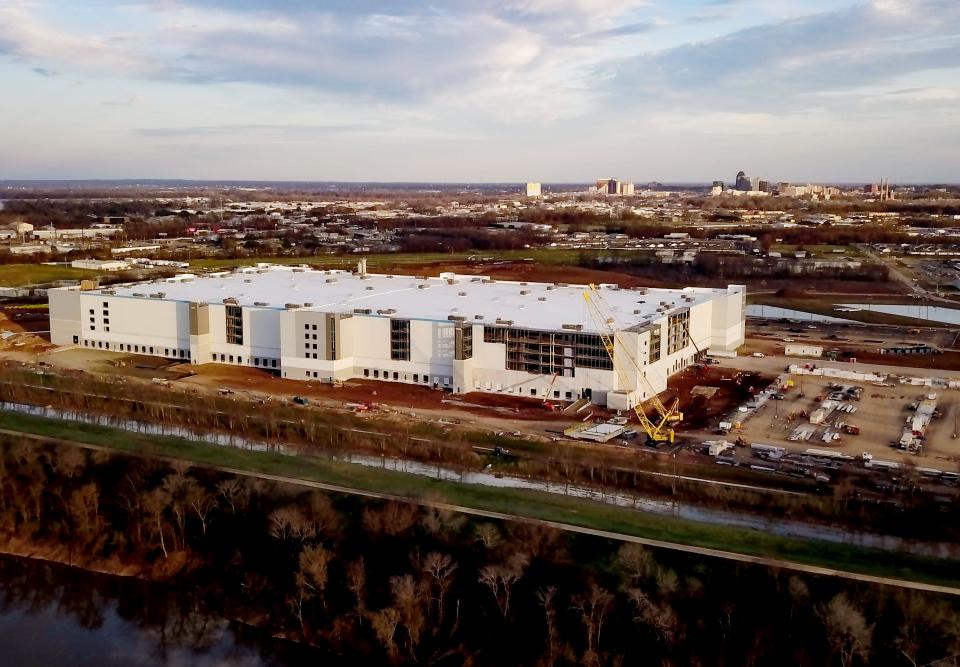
(457, 332)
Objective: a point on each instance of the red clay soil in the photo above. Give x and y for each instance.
(733, 389)
(390, 394)
(15, 317)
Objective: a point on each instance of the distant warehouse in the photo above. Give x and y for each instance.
(457, 332)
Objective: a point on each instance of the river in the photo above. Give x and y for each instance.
(773, 526)
(58, 616)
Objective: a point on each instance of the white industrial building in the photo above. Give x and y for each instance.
(458, 332)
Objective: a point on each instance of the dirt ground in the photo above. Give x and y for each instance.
(701, 408)
(881, 415)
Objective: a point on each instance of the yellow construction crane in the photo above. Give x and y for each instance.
(658, 431)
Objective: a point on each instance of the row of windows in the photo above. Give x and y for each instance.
(533, 391)
(678, 331)
(549, 352)
(260, 362)
(234, 325)
(400, 340)
(416, 378)
(171, 353)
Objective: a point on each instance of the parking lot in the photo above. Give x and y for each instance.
(879, 415)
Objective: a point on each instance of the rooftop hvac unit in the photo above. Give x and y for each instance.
(308, 305)
(461, 293)
(156, 295)
(141, 294)
(291, 306)
(423, 286)
(247, 281)
(572, 327)
(328, 280)
(230, 300)
(386, 311)
(550, 288)
(362, 311)
(524, 292)
(478, 317)
(261, 304)
(523, 284)
(457, 318)
(505, 323)
(298, 270)
(488, 281)
(562, 284)
(541, 298)
(369, 288)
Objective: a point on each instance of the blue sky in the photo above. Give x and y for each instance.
(496, 90)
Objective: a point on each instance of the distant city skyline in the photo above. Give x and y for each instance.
(552, 91)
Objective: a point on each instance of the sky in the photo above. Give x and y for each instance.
(481, 90)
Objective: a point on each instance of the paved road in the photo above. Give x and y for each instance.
(572, 528)
(898, 275)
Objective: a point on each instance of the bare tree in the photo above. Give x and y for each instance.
(635, 561)
(659, 618)
(201, 501)
(384, 623)
(441, 569)
(235, 494)
(546, 598)
(357, 583)
(848, 634)
(500, 579)
(593, 607)
(489, 535)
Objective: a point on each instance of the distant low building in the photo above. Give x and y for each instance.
(100, 264)
(534, 189)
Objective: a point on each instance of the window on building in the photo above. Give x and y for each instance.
(678, 331)
(400, 340)
(396, 375)
(464, 342)
(234, 324)
(273, 363)
(366, 372)
(376, 373)
(549, 352)
(314, 327)
(656, 342)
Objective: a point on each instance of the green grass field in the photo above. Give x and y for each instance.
(20, 275)
(553, 256)
(524, 503)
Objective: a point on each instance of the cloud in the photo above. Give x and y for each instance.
(43, 71)
(625, 30)
(262, 130)
(783, 66)
(125, 102)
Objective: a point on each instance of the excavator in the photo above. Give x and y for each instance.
(660, 429)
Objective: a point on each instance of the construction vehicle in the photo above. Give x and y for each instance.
(660, 430)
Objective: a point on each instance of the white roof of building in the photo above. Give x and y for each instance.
(527, 305)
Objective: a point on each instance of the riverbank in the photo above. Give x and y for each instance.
(512, 504)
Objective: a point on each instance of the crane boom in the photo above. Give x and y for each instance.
(657, 431)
